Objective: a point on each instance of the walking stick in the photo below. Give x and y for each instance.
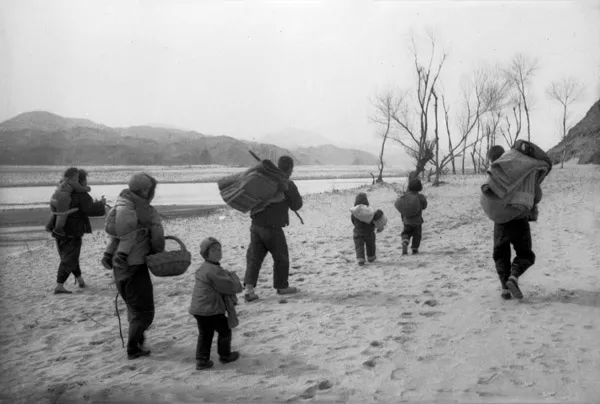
(258, 159)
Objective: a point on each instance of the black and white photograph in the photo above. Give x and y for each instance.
(299, 201)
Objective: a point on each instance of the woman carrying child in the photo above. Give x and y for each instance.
(132, 278)
(68, 242)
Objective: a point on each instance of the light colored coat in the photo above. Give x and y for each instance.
(211, 284)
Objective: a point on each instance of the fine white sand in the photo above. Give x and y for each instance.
(414, 328)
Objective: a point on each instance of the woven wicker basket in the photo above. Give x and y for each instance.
(170, 263)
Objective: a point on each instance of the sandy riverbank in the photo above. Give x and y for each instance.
(427, 327)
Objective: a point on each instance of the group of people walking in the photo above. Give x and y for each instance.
(136, 231)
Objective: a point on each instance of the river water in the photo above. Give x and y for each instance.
(206, 193)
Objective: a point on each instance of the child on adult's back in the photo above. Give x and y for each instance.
(213, 297)
(411, 205)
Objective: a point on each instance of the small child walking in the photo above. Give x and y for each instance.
(213, 297)
(60, 202)
(365, 221)
(411, 205)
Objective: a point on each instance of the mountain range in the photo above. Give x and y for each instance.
(44, 138)
(582, 141)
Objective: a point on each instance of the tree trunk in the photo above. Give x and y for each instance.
(562, 160)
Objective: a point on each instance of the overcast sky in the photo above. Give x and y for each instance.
(249, 68)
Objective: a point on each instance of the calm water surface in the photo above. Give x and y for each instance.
(171, 194)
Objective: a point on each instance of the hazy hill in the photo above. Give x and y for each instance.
(582, 141)
(291, 138)
(44, 138)
(329, 154)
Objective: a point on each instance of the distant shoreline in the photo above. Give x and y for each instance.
(202, 181)
(35, 217)
(39, 176)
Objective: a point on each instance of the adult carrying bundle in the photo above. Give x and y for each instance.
(255, 188)
(409, 205)
(513, 182)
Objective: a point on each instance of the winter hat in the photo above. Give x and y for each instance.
(415, 185)
(206, 244)
(361, 199)
(139, 183)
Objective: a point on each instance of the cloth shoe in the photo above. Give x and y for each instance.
(505, 294)
(107, 260)
(80, 282)
(371, 259)
(61, 289)
(204, 364)
(415, 251)
(287, 291)
(250, 296)
(513, 286)
(232, 357)
(361, 261)
(138, 354)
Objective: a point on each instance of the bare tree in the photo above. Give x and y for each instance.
(385, 106)
(416, 143)
(509, 132)
(519, 74)
(565, 91)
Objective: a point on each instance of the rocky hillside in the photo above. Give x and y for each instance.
(582, 141)
(43, 138)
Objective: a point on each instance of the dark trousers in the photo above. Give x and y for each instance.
(517, 233)
(262, 241)
(69, 249)
(364, 240)
(413, 231)
(207, 325)
(137, 292)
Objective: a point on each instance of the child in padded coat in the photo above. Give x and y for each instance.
(213, 305)
(411, 205)
(365, 221)
(132, 223)
(122, 236)
(61, 199)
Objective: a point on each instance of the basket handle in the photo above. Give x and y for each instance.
(178, 241)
